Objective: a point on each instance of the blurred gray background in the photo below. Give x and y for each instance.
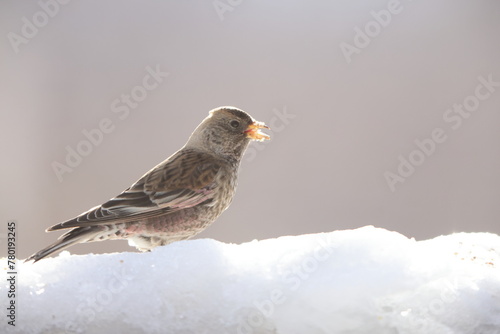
(341, 119)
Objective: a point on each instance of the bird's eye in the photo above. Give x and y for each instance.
(235, 124)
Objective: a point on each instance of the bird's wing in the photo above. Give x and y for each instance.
(184, 180)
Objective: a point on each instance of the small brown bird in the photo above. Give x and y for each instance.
(176, 199)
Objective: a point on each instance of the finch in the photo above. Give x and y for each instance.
(176, 199)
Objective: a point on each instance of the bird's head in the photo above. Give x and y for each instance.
(227, 131)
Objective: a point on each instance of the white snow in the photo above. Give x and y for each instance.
(367, 280)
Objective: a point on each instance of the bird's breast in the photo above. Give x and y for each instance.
(227, 181)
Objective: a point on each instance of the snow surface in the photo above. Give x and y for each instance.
(367, 280)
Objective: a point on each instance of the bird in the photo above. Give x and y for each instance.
(176, 199)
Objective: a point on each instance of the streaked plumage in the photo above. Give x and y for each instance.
(176, 199)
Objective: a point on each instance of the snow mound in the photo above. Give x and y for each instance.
(367, 280)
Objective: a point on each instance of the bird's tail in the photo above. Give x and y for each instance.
(74, 236)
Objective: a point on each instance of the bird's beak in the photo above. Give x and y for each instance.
(253, 131)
